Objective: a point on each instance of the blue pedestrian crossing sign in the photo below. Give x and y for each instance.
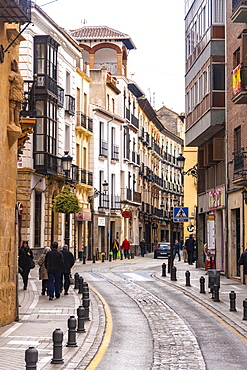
(181, 214)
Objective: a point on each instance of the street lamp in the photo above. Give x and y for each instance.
(191, 171)
(66, 165)
(105, 186)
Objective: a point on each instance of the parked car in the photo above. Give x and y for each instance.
(162, 249)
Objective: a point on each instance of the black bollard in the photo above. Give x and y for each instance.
(84, 260)
(173, 273)
(80, 319)
(245, 309)
(216, 289)
(232, 297)
(94, 258)
(110, 257)
(132, 255)
(85, 292)
(103, 257)
(202, 285)
(169, 264)
(76, 277)
(86, 304)
(80, 284)
(31, 358)
(187, 276)
(71, 332)
(57, 338)
(163, 269)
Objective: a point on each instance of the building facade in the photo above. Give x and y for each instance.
(205, 121)
(13, 14)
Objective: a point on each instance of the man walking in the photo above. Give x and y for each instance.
(190, 245)
(69, 261)
(54, 265)
(143, 247)
(126, 247)
(243, 261)
(176, 250)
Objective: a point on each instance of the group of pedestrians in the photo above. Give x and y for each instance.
(54, 268)
(189, 249)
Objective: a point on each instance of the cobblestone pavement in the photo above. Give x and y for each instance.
(174, 345)
(39, 317)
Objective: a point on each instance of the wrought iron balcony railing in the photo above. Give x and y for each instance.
(115, 153)
(47, 164)
(134, 121)
(129, 195)
(240, 164)
(46, 84)
(127, 114)
(69, 104)
(86, 177)
(60, 96)
(115, 202)
(84, 121)
(103, 148)
(104, 201)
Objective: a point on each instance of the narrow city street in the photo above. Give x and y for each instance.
(158, 327)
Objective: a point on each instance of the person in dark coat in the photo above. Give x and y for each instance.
(243, 261)
(143, 247)
(24, 262)
(69, 261)
(54, 266)
(43, 273)
(190, 245)
(176, 250)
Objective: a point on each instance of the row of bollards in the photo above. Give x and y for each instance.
(214, 289)
(74, 326)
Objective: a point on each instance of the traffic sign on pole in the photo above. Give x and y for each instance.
(181, 214)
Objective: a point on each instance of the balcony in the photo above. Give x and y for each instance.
(135, 159)
(74, 173)
(60, 96)
(127, 114)
(46, 85)
(28, 105)
(130, 196)
(18, 11)
(69, 105)
(239, 11)
(156, 148)
(115, 153)
(85, 177)
(115, 202)
(134, 121)
(84, 121)
(104, 201)
(141, 137)
(146, 138)
(47, 164)
(239, 85)
(103, 149)
(240, 167)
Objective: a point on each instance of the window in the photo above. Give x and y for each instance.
(218, 78)
(237, 139)
(45, 58)
(46, 127)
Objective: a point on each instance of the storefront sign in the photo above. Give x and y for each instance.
(126, 214)
(101, 221)
(84, 215)
(216, 198)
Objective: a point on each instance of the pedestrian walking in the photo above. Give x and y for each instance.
(243, 261)
(54, 266)
(190, 245)
(185, 253)
(68, 263)
(25, 262)
(43, 273)
(115, 248)
(126, 247)
(143, 247)
(176, 250)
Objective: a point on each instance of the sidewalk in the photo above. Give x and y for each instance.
(221, 308)
(39, 317)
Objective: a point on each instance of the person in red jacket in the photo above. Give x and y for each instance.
(126, 247)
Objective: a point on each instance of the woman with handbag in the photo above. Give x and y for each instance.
(25, 262)
(43, 273)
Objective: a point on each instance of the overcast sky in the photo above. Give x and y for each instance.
(157, 30)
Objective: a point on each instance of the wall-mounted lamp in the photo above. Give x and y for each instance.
(191, 171)
(105, 186)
